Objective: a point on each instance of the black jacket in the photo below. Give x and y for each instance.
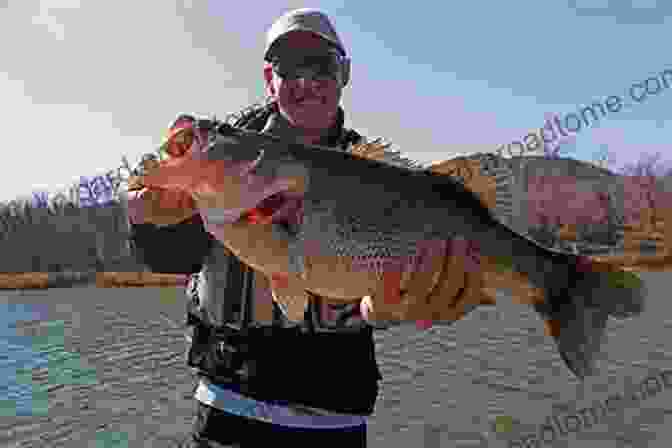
(291, 362)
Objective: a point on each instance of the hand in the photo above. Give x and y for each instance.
(159, 206)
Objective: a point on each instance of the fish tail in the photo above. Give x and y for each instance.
(576, 316)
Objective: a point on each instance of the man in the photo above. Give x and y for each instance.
(290, 383)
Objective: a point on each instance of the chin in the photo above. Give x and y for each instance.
(313, 119)
(312, 125)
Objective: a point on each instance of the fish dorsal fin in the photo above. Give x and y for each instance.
(379, 150)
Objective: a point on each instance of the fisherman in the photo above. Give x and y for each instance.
(268, 373)
(285, 382)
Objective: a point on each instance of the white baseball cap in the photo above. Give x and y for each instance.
(304, 19)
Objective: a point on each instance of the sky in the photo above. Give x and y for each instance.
(83, 83)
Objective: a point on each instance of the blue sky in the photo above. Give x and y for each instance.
(97, 80)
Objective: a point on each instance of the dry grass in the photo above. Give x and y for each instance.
(44, 280)
(137, 279)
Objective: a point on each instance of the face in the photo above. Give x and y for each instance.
(310, 103)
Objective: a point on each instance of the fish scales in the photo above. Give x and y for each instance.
(380, 214)
(395, 207)
(373, 250)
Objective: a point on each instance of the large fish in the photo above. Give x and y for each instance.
(347, 227)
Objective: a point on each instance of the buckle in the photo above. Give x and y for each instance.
(224, 348)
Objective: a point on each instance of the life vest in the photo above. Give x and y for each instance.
(318, 362)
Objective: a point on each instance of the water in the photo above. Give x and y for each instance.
(489, 378)
(18, 356)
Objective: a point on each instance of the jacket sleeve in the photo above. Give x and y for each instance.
(175, 249)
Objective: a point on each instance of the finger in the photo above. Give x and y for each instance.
(444, 299)
(136, 206)
(372, 314)
(424, 276)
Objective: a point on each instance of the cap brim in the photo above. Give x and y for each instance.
(284, 35)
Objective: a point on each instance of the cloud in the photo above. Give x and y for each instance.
(96, 80)
(48, 15)
(84, 83)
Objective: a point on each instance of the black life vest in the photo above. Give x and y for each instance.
(286, 361)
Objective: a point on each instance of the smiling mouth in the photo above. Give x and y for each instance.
(310, 102)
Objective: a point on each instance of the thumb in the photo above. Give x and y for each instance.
(136, 206)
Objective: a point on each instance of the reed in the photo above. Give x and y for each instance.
(64, 235)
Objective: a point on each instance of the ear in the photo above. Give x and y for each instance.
(346, 71)
(268, 81)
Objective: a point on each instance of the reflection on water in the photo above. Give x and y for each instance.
(28, 341)
(17, 359)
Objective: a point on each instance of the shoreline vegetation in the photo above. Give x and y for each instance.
(46, 280)
(74, 239)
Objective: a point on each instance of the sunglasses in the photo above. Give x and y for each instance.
(323, 66)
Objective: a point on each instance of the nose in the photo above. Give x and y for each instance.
(307, 82)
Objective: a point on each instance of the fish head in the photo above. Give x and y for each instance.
(242, 170)
(229, 171)
(257, 159)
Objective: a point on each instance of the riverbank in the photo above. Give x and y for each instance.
(45, 280)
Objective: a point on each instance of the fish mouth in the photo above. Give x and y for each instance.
(277, 198)
(262, 192)
(288, 181)
(274, 201)
(259, 195)
(280, 208)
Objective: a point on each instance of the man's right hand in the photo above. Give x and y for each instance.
(160, 206)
